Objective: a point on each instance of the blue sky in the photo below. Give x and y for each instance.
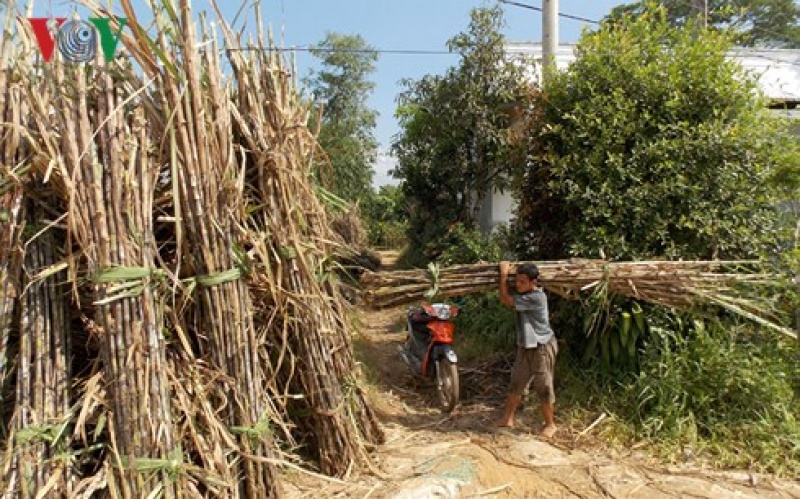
(424, 25)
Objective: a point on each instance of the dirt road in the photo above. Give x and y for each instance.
(431, 455)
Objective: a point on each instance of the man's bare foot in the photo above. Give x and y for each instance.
(548, 431)
(504, 423)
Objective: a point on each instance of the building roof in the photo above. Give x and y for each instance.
(776, 70)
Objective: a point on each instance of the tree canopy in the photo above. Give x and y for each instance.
(653, 144)
(455, 140)
(342, 87)
(767, 23)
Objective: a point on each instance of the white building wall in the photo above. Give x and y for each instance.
(503, 206)
(498, 207)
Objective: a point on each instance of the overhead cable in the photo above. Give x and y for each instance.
(561, 14)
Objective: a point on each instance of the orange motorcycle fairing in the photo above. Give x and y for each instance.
(442, 331)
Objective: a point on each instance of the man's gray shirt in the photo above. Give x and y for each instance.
(533, 320)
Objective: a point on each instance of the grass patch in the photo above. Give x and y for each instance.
(727, 395)
(484, 327)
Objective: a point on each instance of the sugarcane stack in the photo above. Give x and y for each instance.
(169, 319)
(672, 284)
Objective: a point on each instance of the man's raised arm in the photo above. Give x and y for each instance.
(505, 297)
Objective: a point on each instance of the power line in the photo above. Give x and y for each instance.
(539, 9)
(348, 51)
(742, 51)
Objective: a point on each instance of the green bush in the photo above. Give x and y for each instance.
(654, 144)
(484, 326)
(732, 392)
(390, 234)
(385, 217)
(464, 245)
(451, 244)
(723, 394)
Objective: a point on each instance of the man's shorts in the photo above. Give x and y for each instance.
(535, 365)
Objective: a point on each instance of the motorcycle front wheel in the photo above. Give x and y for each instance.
(447, 384)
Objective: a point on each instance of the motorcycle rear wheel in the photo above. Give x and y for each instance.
(447, 386)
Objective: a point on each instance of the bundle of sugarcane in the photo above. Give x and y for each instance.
(293, 242)
(34, 340)
(43, 392)
(94, 146)
(167, 327)
(674, 284)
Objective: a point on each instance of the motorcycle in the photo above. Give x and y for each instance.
(428, 349)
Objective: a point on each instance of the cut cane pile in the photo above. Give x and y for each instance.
(169, 324)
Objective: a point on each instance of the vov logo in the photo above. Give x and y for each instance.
(76, 39)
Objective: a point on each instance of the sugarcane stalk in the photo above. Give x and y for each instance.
(42, 418)
(12, 152)
(674, 284)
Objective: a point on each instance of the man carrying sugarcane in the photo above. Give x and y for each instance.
(536, 345)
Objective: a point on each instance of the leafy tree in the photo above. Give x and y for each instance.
(386, 215)
(386, 205)
(770, 23)
(455, 141)
(653, 144)
(342, 86)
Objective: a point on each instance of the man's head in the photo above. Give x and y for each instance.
(527, 277)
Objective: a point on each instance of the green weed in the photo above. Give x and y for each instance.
(484, 327)
(724, 394)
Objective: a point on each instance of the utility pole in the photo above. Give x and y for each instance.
(549, 37)
(701, 9)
